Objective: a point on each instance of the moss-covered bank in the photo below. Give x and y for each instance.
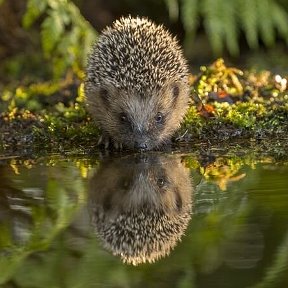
(230, 110)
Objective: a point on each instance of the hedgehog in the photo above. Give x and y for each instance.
(136, 84)
(140, 206)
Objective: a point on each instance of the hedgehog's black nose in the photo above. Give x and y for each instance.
(142, 146)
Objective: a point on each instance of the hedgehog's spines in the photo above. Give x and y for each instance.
(137, 61)
(134, 40)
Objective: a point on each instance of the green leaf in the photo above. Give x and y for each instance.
(35, 8)
(65, 34)
(8, 265)
(52, 30)
(64, 13)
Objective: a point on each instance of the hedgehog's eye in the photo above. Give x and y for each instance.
(175, 90)
(123, 117)
(160, 182)
(159, 118)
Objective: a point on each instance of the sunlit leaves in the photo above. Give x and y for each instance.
(34, 9)
(65, 35)
(52, 30)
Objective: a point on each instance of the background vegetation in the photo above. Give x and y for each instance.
(52, 37)
(44, 45)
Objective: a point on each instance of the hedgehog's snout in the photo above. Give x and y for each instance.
(141, 141)
(141, 146)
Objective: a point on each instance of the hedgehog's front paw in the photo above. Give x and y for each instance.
(104, 141)
(107, 142)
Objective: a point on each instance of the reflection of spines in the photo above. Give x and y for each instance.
(144, 221)
(141, 236)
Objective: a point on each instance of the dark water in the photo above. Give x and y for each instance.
(150, 220)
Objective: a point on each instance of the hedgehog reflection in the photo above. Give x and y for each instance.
(141, 206)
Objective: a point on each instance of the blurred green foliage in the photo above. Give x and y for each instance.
(41, 219)
(66, 36)
(224, 21)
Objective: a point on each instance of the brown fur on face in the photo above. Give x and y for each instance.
(137, 75)
(129, 118)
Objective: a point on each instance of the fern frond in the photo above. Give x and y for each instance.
(212, 12)
(248, 19)
(265, 21)
(223, 19)
(230, 26)
(280, 19)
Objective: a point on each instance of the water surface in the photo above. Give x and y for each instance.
(150, 220)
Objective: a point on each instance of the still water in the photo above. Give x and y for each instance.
(150, 220)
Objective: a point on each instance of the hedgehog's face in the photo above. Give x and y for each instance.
(141, 122)
(152, 182)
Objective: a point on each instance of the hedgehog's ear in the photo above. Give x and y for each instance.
(107, 93)
(175, 90)
(104, 95)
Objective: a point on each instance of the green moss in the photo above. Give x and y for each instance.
(227, 107)
(192, 121)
